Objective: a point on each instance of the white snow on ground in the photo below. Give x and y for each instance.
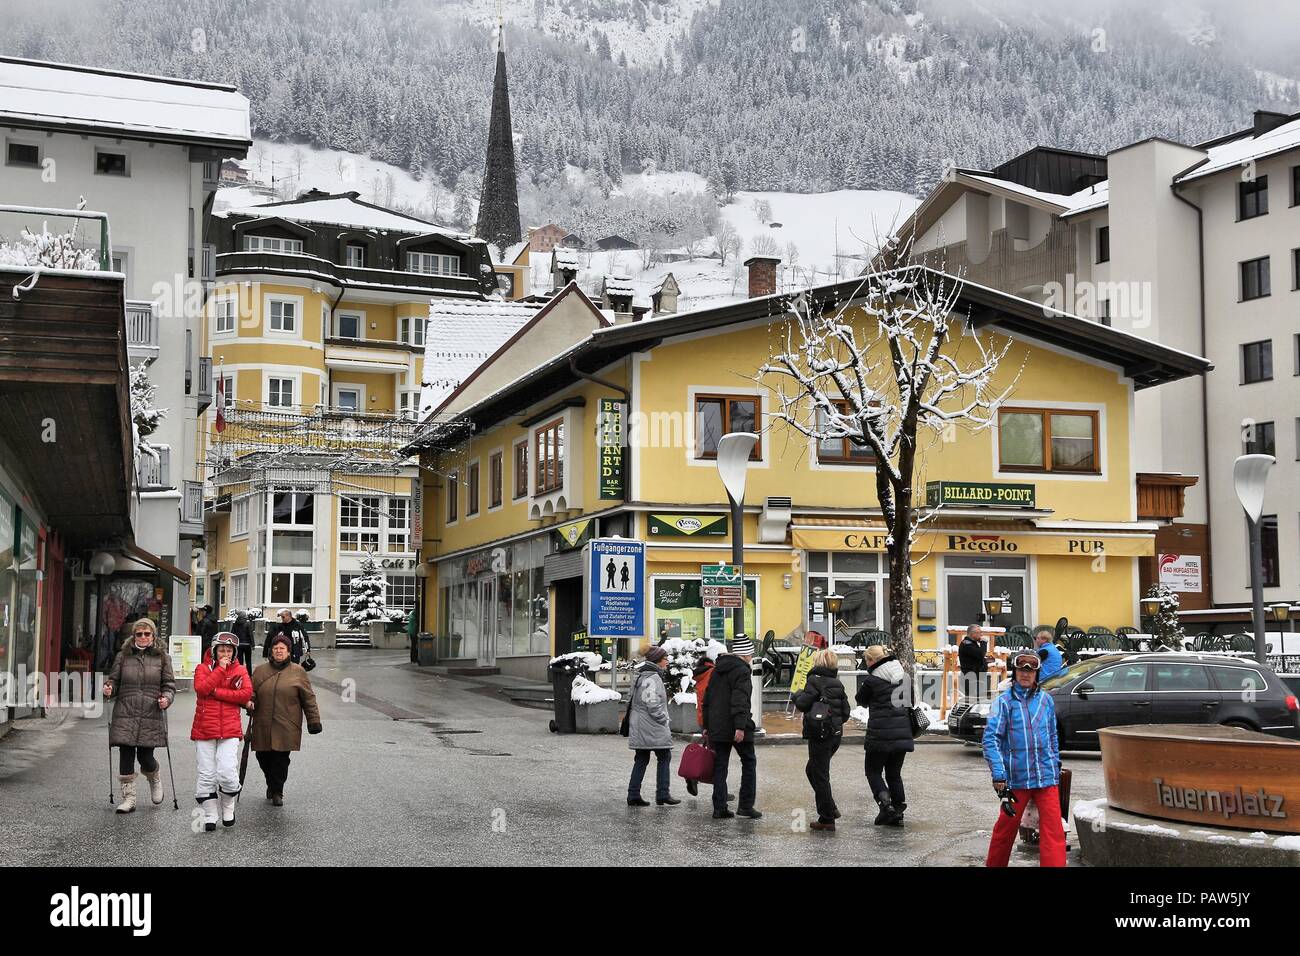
(585, 692)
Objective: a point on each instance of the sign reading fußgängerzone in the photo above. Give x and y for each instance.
(609, 442)
(979, 493)
(615, 588)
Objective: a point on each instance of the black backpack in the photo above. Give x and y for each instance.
(820, 720)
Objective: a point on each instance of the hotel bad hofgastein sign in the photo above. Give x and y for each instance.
(983, 494)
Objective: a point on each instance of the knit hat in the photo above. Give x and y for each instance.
(742, 646)
(655, 655)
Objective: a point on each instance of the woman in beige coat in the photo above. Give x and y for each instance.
(141, 685)
(282, 696)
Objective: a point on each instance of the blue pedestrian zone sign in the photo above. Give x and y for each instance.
(616, 588)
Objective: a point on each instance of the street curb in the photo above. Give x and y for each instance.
(789, 740)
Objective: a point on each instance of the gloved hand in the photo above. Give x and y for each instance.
(314, 728)
(1007, 796)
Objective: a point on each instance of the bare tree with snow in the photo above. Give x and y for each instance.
(885, 367)
(729, 242)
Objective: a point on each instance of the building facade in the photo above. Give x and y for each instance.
(1191, 246)
(316, 331)
(145, 151)
(508, 509)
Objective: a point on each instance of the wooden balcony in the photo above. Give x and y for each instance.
(64, 405)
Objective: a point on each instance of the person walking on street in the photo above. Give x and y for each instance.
(886, 693)
(299, 643)
(972, 656)
(243, 630)
(1048, 652)
(1021, 748)
(648, 730)
(222, 687)
(141, 684)
(282, 698)
(730, 727)
(825, 706)
(207, 630)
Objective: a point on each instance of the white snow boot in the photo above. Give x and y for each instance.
(155, 786)
(128, 793)
(209, 807)
(228, 801)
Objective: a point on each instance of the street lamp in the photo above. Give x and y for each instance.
(1249, 473)
(733, 468)
(993, 607)
(1281, 613)
(833, 604)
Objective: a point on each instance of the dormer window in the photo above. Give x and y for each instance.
(272, 244)
(356, 255)
(433, 263)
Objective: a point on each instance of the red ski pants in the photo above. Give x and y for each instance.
(1051, 834)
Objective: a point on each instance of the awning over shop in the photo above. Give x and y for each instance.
(1004, 538)
(155, 562)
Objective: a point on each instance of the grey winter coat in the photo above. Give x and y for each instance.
(648, 717)
(139, 678)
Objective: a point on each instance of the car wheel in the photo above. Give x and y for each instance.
(1243, 724)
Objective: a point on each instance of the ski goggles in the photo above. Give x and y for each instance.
(1026, 662)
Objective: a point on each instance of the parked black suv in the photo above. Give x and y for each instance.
(1159, 688)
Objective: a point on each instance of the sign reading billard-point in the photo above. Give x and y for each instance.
(983, 494)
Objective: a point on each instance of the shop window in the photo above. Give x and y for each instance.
(841, 451)
(717, 415)
(400, 592)
(495, 465)
(679, 611)
(521, 469)
(548, 446)
(1048, 440)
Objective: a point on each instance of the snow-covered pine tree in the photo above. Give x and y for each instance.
(886, 374)
(366, 602)
(145, 415)
(1165, 629)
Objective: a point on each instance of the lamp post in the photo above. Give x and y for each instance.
(1150, 608)
(834, 602)
(993, 607)
(733, 468)
(1282, 614)
(1249, 473)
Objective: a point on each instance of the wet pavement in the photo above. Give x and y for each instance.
(418, 769)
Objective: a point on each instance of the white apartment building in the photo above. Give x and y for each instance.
(1197, 247)
(147, 151)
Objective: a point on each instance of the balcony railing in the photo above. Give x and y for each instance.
(141, 329)
(228, 262)
(155, 473)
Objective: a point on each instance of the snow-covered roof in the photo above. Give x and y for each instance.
(461, 336)
(619, 285)
(1237, 152)
(565, 258)
(1089, 198)
(506, 255)
(345, 210)
(1055, 199)
(133, 105)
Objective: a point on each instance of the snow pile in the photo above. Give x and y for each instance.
(1287, 843)
(1088, 810)
(585, 692)
(48, 250)
(860, 714)
(687, 697)
(578, 661)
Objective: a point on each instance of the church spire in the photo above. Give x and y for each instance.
(498, 211)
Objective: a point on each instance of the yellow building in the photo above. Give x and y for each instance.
(316, 329)
(508, 507)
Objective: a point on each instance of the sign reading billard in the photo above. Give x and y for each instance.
(983, 494)
(609, 440)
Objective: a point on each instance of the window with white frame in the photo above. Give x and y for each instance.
(272, 244)
(356, 255)
(279, 392)
(409, 404)
(359, 522)
(239, 590)
(347, 398)
(284, 315)
(433, 263)
(239, 516)
(400, 592)
(227, 383)
(412, 330)
(398, 535)
(223, 316)
(349, 325)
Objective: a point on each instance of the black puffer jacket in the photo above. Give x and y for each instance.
(970, 655)
(726, 702)
(889, 725)
(824, 683)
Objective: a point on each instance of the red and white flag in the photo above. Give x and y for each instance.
(221, 403)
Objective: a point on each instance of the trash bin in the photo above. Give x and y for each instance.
(428, 654)
(566, 718)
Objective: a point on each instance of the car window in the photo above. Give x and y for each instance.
(1119, 679)
(1075, 671)
(1239, 680)
(1177, 675)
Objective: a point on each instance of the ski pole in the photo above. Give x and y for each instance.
(167, 745)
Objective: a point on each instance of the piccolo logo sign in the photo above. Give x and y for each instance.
(975, 542)
(609, 440)
(980, 494)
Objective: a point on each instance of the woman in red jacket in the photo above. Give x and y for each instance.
(222, 687)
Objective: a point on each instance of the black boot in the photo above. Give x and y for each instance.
(886, 809)
(693, 787)
(896, 818)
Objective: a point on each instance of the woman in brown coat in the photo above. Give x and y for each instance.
(282, 695)
(141, 683)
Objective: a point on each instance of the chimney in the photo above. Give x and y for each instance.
(762, 275)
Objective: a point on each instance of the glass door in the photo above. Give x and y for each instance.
(487, 616)
(969, 580)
